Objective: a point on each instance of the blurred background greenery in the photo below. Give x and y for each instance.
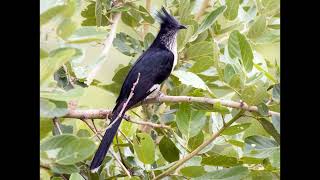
(94, 97)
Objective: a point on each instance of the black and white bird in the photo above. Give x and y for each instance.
(153, 67)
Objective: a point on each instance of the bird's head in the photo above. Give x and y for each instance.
(168, 22)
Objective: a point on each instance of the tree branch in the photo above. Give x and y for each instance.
(227, 103)
(107, 44)
(199, 148)
(103, 113)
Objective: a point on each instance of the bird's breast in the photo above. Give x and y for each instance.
(174, 50)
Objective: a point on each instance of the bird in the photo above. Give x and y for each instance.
(152, 68)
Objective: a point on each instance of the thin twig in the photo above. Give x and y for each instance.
(113, 154)
(125, 137)
(57, 124)
(146, 123)
(94, 125)
(45, 166)
(125, 104)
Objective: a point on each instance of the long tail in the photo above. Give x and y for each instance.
(107, 139)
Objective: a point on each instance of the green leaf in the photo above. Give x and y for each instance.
(56, 142)
(238, 46)
(232, 9)
(236, 82)
(64, 169)
(121, 74)
(76, 151)
(76, 176)
(260, 147)
(65, 129)
(50, 14)
(168, 150)
(63, 96)
(144, 147)
(83, 133)
(270, 7)
(275, 159)
(55, 60)
(148, 39)
(276, 92)
(43, 53)
(276, 122)
(48, 4)
(268, 37)
(44, 174)
(254, 94)
(203, 48)
(46, 126)
(195, 141)
(217, 107)
(268, 126)
(71, 7)
(98, 12)
(220, 160)
(202, 63)
(234, 173)
(128, 128)
(184, 10)
(235, 129)
(202, 106)
(51, 108)
(229, 72)
(66, 28)
(268, 75)
(260, 175)
(145, 15)
(236, 143)
(274, 26)
(255, 128)
(87, 34)
(129, 19)
(263, 109)
(251, 160)
(69, 149)
(189, 122)
(257, 28)
(193, 171)
(89, 13)
(210, 18)
(191, 79)
(127, 44)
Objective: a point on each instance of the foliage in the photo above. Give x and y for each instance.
(230, 53)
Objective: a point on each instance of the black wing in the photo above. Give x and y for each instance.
(155, 66)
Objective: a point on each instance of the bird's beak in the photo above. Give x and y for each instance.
(182, 27)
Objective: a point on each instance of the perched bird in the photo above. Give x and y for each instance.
(153, 67)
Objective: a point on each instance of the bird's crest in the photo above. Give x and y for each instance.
(165, 18)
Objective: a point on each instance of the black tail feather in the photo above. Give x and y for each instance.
(107, 140)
